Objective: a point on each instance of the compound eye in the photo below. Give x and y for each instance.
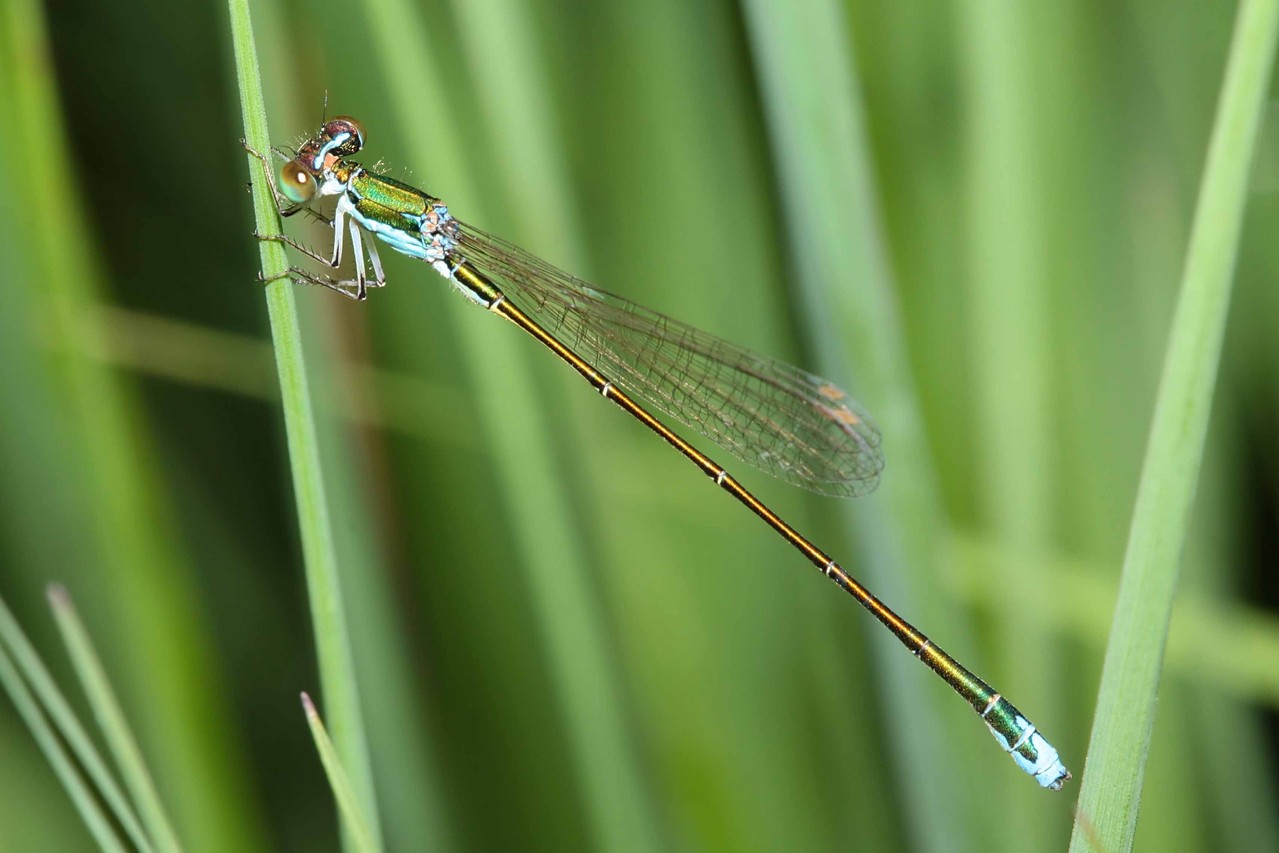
(346, 132)
(296, 183)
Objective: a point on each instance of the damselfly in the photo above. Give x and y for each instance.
(778, 418)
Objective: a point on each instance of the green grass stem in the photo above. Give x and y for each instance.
(1113, 775)
(1009, 332)
(535, 497)
(814, 115)
(337, 672)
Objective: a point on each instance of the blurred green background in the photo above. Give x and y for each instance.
(566, 638)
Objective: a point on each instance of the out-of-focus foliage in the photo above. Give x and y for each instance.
(561, 631)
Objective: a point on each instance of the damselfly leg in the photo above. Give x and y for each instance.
(288, 205)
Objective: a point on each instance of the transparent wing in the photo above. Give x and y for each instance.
(782, 420)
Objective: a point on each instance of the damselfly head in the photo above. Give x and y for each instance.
(337, 138)
(344, 134)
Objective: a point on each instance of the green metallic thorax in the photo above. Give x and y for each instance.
(392, 203)
(390, 193)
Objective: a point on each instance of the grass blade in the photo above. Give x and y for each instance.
(348, 803)
(337, 671)
(536, 500)
(91, 500)
(70, 734)
(813, 110)
(1009, 329)
(115, 727)
(1120, 740)
(85, 802)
